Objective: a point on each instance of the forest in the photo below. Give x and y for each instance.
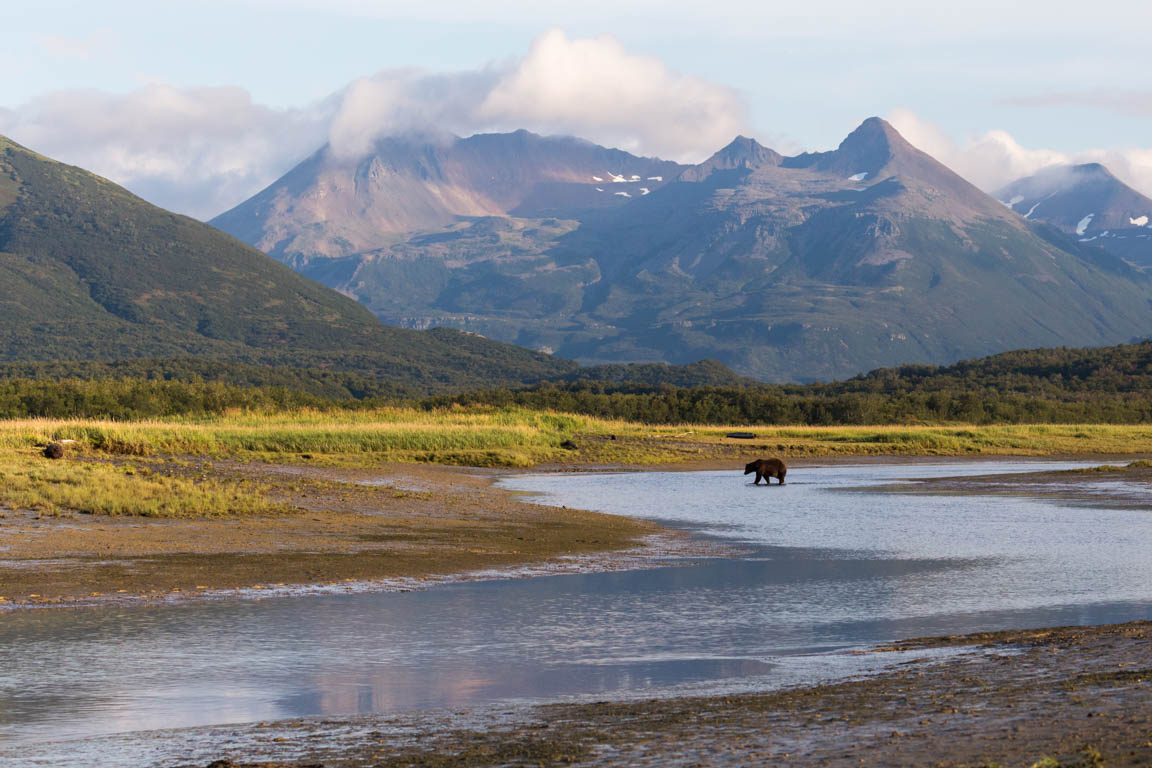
(1106, 385)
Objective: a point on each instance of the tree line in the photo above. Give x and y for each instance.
(1101, 385)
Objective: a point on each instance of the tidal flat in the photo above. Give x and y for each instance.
(335, 520)
(1066, 696)
(172, 508)
(327, 529)
(793, 650)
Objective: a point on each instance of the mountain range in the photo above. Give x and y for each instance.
(328, 207)
(816, 266)
(1089, 203)
(88, 272)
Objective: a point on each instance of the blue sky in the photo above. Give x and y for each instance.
(1060, 79)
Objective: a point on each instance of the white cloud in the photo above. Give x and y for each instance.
(590, 88)
(595, 89)
(202, 150)
(996, 158)
(396, 102)
(197, 151)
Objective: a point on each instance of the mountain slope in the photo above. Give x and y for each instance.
(328, 207)
(89, 271)
(1088, 202)
(817, 266)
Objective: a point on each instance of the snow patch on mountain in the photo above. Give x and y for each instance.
(1032, 210)
(858, 176)
(1139, 221)
(1082, 227)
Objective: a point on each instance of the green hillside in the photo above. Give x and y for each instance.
(88, 271)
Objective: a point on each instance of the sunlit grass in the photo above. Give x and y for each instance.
(53, 487)
(480, 436)
(517, 437)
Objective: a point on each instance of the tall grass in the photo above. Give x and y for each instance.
(108, 489)
(520, 437)
(506, 436)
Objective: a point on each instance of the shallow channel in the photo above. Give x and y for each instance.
(826, 567)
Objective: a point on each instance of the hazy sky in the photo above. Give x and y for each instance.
(197, 104)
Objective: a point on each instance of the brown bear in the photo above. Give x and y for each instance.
(767, 468)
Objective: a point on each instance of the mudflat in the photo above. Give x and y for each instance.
(1069, 696)
(1123, 485)
(339, 525)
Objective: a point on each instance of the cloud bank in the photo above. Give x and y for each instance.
(591, 88)
(193, 150)
(202, 150)
(994, 159)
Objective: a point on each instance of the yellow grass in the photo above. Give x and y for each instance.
(480, 436)
(518, 437)
(52, 487)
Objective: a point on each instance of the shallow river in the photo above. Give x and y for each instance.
(826, 568)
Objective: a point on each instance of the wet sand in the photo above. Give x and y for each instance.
(388, 527)
(1073, 696)
(1125, 484)
(1068, 696)
(392, 527)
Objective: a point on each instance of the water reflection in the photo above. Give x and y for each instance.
(828, 569)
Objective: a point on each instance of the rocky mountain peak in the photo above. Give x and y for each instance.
(873, 143)
(741, 153)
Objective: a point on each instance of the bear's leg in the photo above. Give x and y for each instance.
(758, 477)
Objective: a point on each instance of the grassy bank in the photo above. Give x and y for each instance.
(51, 488)
(516, 437)
(308, 496)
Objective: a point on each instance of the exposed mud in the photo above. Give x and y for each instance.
(391, 527)
(1072, 696)
(1119, 486)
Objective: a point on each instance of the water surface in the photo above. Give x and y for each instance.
(825, 568)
